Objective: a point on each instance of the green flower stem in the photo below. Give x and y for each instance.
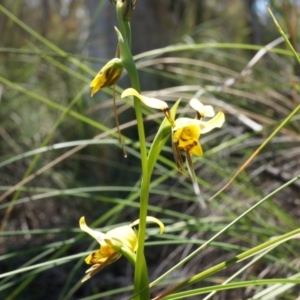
(162, 135)
(141, 280)
(128, 33)
(131, 257)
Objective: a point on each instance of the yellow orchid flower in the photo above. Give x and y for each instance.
(107, 76)
(187, 139)
(111, 243)
(186, 132)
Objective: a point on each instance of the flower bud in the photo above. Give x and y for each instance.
(127, 7)
(107, 76)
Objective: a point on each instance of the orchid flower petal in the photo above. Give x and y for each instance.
(216, 122)
(99, 265)
(100, 256)
(97, 235)
(190, 131)
(151, 219)
(196, 150)
(150, 102)
(203, 110)
(183, 122)
(122, 236)
(187, 139)
(205, 126)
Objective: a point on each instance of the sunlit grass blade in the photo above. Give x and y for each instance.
(275, 242)
(202, 247)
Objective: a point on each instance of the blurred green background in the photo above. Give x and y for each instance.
(50, 52)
